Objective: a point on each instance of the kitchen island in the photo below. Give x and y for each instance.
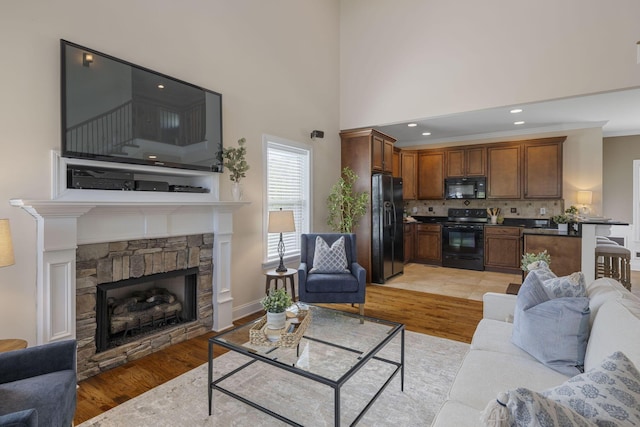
(565, 249)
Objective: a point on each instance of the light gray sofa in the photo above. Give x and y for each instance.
(493, 364)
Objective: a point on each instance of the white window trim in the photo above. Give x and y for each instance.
(266, 264)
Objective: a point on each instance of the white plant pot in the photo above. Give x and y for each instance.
(563, 228)
(276, 320)
(236, 191)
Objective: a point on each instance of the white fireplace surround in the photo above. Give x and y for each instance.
(74, 217)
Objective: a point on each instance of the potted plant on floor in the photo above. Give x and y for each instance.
(275, 305)
(346, 206)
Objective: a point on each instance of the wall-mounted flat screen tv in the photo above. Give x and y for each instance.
(113, 110)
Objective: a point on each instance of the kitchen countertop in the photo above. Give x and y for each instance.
(549, 232)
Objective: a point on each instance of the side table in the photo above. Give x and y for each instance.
(284, 276)
(12, 344)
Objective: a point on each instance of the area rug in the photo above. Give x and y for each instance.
(430, 366)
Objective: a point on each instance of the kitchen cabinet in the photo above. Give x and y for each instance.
(396, 162)
(502, 248)
(409, 241)
(466, 162)
(543, 168)
(428, 243)
(504, 171)
(363, 151)
(382, 153)
(431, 175)
(565, 251)
(409, 169)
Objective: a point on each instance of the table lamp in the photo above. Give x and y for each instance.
(281, 222)
(6, 247)
(585, 197)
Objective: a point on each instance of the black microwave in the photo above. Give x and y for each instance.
(465, 188)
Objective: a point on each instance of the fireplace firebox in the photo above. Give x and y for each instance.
(129, 308)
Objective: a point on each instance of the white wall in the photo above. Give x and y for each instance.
(275, 62)
(410, 59)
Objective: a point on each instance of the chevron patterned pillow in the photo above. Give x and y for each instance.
(329, 259)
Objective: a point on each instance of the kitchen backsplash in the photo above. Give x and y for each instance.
(508, 208)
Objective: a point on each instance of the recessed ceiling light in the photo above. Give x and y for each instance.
(516, 110)
(426, 133)
(412, 125)
(518, 123)
(160, 86)
(152, 156)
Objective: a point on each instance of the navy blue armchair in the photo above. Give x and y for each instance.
(38, 385)
(346, 287)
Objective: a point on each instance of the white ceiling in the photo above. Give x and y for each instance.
(618, 113)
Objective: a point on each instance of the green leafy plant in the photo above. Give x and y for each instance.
(572, 210)
(346, 206)
(529, 258)
(234, 160)
(277, 301)
(560, 219)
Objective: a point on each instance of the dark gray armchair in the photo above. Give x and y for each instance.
(346, 287)
(38, 385)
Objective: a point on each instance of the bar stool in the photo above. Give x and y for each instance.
(614, 261)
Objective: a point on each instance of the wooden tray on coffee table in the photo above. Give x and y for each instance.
(259, 334)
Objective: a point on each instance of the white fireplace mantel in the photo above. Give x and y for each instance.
(63, 225)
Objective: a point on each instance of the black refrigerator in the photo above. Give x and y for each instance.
(387, 237)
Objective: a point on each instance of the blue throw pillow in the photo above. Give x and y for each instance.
(554, 331)
(608, 395)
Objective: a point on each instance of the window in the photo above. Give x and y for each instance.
(287, 186)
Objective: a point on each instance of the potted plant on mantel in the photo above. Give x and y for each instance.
(234, 160)
(275, 305)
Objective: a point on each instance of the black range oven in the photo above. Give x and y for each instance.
(463, 239)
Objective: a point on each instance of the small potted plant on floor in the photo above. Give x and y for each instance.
(275, 305)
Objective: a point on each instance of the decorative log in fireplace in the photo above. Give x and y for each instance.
(146, 307)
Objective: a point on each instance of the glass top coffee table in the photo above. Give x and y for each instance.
(334, 346)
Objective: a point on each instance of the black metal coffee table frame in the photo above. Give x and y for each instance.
(335, 384)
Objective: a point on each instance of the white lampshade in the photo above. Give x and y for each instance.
(585, 197)
(281, 222)
(6, 246)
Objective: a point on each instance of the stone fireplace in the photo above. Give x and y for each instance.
(112, 266)
(86, 236)
(122, 224)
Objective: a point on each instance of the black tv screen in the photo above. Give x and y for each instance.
(113, 110)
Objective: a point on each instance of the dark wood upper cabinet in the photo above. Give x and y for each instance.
(382, 154)
(431, 175)
(504, 171)
(397, 171)
(409, 174)
(543, 168)
(466, 161)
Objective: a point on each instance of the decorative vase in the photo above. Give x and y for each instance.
(276, 320)
(236, 191)
(562, 228)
